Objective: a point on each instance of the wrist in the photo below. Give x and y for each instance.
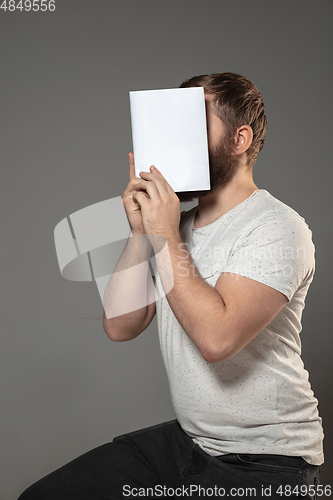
(159, 242)
(174, 242)
(142, 245)
(136, 232)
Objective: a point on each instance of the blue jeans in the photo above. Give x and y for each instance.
(163, 462)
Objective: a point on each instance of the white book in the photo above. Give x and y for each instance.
(169, 130)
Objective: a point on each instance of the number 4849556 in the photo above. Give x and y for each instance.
(27, 5)
(315, 490)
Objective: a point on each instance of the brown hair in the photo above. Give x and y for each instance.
(237, 102)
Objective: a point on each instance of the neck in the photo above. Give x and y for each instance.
(224, 198)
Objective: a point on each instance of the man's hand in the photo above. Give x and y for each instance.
(132, 209)
(161, 211)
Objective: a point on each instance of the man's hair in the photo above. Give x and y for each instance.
(237, 102)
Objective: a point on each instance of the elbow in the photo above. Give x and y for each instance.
(110, 330)
(118, 334)
(216, 354)
(212, 357)
(112, 334)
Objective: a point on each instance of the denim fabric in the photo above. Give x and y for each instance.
(163, 462)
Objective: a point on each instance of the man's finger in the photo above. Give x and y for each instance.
(155, 170)
(148, 187)
(163, 187)
(131, 165)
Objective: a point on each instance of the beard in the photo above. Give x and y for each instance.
(222, 166)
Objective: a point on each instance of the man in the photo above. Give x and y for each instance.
(241, 263)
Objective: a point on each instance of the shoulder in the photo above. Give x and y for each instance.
(277, 243)
(274, 217)
(279, 230)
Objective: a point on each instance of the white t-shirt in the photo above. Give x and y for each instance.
(260, 400)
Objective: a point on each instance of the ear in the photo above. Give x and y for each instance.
(243, 139)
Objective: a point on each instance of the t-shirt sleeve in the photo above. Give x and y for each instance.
(277, 250)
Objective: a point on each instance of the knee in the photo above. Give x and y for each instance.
(35, 492)
(26, 495)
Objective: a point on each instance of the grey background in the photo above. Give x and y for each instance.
(65, 135)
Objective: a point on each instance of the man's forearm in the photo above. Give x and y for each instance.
(130, 288)
(198, 307)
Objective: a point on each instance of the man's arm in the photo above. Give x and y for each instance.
(220, 320)
(129, 299)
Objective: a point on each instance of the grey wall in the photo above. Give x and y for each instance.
(65, 135)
